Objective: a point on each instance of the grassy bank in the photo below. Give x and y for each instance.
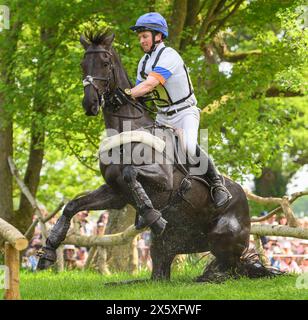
(48, 285)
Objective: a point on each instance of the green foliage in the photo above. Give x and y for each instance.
(300, 206)
(250, 130)
(245, 134)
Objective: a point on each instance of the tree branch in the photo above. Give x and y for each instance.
(293, 197)
(276, 92)
(207, 20)
(223, 20)
(279, 231)
(226, 55)
(28, 195)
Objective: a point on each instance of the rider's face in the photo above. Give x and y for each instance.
(145, 40)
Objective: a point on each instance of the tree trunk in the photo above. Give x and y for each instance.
(151, 5)
(193, 7)
(8, 42)
(177, 22)
(119, 256)
(271, 183)
(36, 154)
(6, 150)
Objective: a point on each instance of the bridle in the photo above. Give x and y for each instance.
(89, 80)
(113, 96)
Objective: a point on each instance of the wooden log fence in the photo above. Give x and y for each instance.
(15, 242)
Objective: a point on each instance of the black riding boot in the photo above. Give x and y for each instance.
(219, 193)
(147, 216)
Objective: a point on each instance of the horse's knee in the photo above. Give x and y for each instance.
(111, 175)
(129, 174)
(226, 226)
(70, 209)
(228, 238)
(227, 234)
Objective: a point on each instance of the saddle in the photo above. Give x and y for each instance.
(161, 174)
(180, 149)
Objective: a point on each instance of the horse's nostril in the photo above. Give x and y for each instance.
(94, 109)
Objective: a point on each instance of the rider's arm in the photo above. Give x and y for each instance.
(145, 86)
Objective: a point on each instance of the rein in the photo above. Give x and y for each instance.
(116, 96)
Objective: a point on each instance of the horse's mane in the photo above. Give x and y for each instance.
(97, 37)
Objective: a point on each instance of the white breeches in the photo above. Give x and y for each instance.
(188, 120)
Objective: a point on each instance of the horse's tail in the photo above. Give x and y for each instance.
(251, 266)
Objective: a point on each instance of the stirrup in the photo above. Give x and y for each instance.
(222, 188)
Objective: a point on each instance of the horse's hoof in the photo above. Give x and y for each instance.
(47, 258)
(151, 218)
(44, 264)
(158, 227)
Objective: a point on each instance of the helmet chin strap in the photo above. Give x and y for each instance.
(154, 43)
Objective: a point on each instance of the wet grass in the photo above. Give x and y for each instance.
(78, 285)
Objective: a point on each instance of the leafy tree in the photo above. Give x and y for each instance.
(246, 110)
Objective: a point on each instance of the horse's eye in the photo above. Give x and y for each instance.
(106, 64)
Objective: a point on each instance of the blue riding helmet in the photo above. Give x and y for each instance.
(152, 21)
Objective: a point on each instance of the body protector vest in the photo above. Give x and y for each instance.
(175, 89)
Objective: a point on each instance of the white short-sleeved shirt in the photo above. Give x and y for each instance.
(170, 70)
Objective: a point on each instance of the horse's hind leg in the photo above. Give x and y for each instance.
(227, 241)
(102, 198)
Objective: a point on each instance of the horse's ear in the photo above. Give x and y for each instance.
(84, 42)
(108, 40)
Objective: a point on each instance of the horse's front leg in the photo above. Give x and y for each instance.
(102, 198)
(149, 216)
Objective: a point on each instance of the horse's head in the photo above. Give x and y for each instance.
(98, 71)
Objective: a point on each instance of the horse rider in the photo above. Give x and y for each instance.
(162, 70)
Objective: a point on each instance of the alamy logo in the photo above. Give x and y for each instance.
(4, 277)
(4, 17)
(158, 146)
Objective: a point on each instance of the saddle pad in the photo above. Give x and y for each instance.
(132, 136)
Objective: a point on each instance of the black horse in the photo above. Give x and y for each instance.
(180, 212)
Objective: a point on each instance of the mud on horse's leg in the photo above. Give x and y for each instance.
(150, 216)
(102, 198)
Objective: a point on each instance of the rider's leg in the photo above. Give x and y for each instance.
(219, 193)
(150, 216)
(189, 120)
(190, 125)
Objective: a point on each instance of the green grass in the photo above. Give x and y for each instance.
(72, 285)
